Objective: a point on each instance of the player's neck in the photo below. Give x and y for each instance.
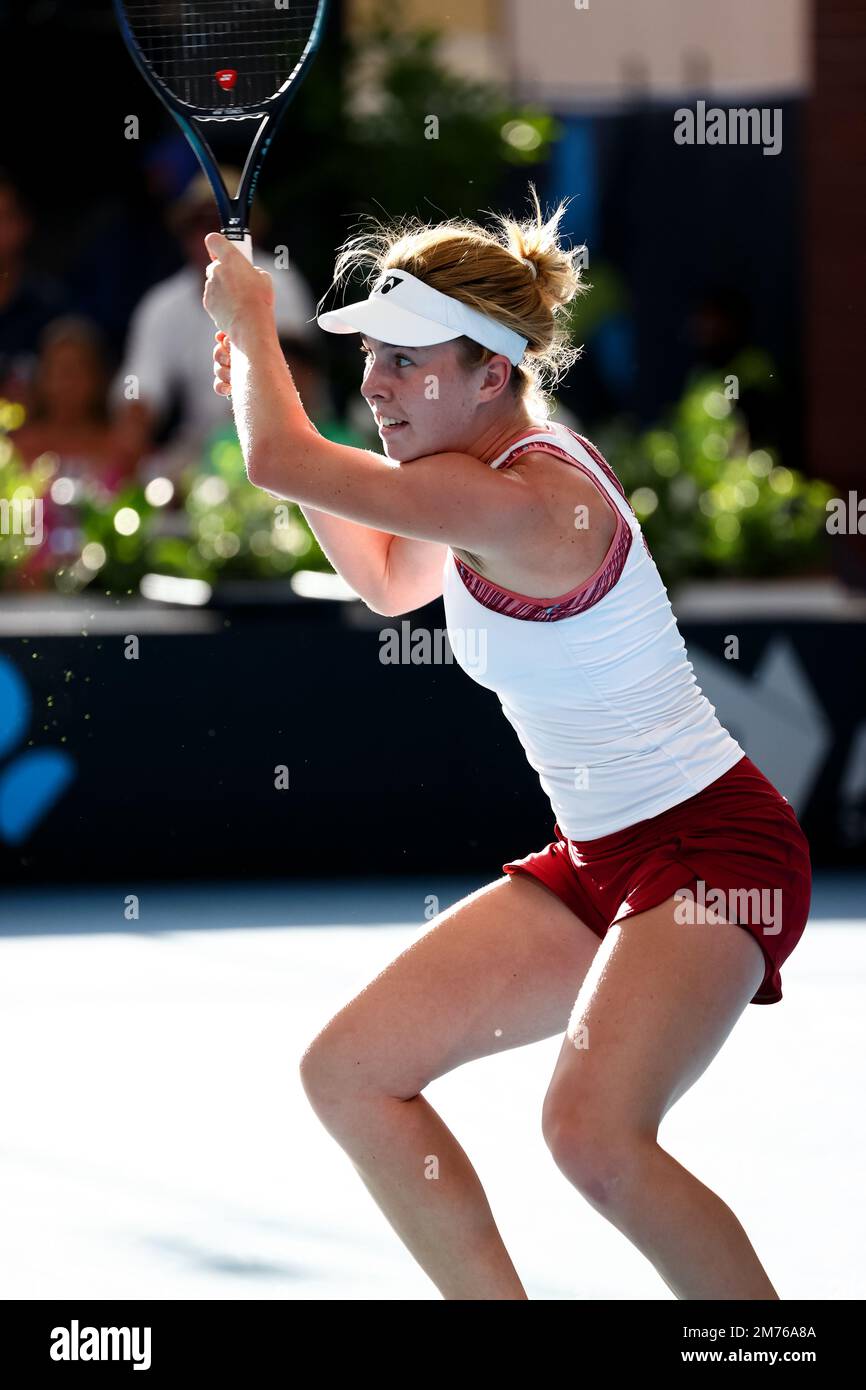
(499, 433)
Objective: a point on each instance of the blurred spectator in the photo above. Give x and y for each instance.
(28, 299)
(68, 414)
(169, 351)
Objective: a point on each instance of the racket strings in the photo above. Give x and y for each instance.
(187, 43)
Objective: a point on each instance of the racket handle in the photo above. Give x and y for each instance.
(244, 243)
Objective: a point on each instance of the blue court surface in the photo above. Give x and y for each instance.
(156, 1142)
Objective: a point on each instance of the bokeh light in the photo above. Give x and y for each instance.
(521, 135)
(126, 521)
(93, 556)
(63, 491)
(159, 492)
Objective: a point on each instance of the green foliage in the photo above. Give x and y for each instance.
(435, 129)
(214, 526)
(18, 483)
(237, 530)
(709, 500)
(431, 128)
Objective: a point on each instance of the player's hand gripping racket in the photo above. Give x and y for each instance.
(224, 60)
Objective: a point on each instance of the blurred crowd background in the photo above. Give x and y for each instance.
(709, 265)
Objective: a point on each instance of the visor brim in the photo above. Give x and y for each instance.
(387, 323)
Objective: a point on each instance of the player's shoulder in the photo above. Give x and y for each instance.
(554, 477)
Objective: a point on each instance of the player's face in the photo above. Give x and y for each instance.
(427, 390)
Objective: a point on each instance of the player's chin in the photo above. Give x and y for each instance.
(411, 444)
(401, 446)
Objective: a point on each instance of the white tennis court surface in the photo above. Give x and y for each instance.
(156, 1142)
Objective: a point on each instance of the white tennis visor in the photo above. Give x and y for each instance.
(403, 310)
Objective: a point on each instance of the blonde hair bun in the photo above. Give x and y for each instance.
(535, 242)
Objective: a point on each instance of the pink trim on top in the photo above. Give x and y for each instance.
(584, 595)
(597, 457)
(518, 438)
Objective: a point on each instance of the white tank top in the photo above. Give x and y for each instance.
(596, 682)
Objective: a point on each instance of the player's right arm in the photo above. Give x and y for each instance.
(392, 574)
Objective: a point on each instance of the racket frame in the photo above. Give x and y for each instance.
(233, 210)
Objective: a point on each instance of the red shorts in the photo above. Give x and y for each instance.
(738, 838)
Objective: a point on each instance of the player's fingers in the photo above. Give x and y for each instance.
(221, 379)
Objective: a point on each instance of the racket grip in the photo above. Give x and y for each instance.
(244, 243)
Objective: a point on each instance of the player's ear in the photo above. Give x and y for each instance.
(496, 374)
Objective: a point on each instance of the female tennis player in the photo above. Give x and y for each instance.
(678, 879)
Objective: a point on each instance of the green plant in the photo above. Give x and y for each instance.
(239, 531)
(433, 128)
(413, 136)
(214, 524)
(710, 501)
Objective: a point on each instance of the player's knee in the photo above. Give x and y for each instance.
(598, 1155)
(339, 1072)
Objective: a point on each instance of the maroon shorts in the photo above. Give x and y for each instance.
(736, 847)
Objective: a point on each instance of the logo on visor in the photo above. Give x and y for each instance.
(388, 284)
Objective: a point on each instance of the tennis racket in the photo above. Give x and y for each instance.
(212, 61)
